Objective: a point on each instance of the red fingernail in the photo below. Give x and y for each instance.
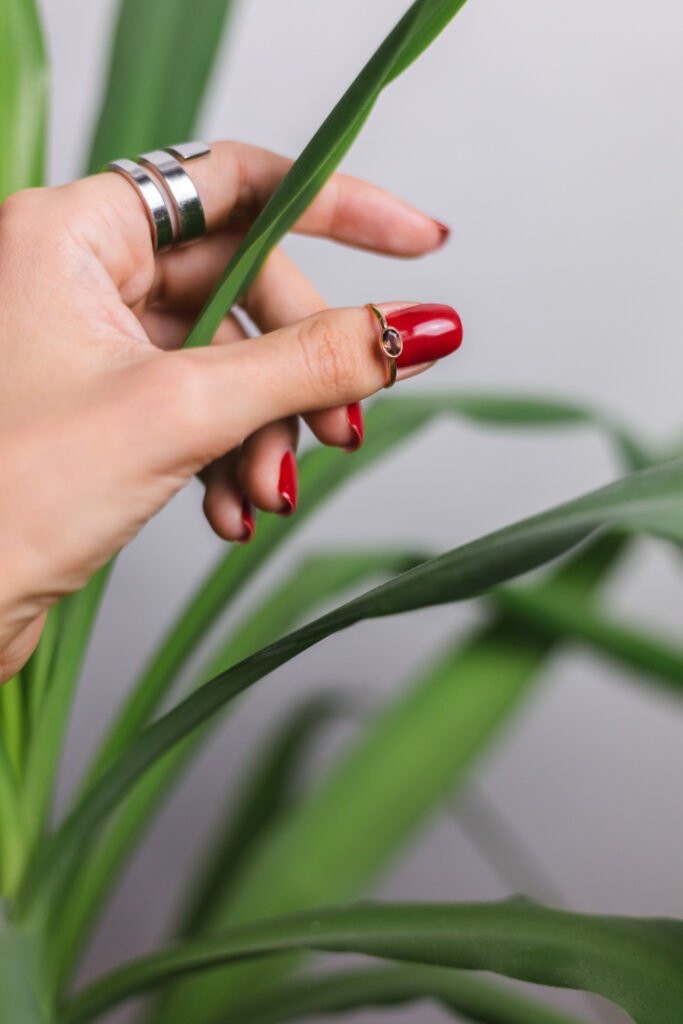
(444, 231)
(354, 415)
(288, 484)
(429, 332)
(248, 521)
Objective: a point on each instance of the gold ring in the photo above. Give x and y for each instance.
(390, 343)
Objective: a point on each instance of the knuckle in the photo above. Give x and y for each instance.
(329, 354)
(18, 211)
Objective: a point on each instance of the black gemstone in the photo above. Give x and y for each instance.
(392, 343)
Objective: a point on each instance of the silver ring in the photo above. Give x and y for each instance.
(166, 166)
(153, 200)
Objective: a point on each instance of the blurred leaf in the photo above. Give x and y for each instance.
(76, 619)
(162, 58)
(19, 990)
(23, 97)
(266, 793)
(12, 832)
(319, 578)
(366, 808)
(650, 501)
(568, 616)
(636, 963)
(469, 997)
(13, 722)
(418, 27)
(322, 471)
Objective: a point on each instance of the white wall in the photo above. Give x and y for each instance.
(549, 136)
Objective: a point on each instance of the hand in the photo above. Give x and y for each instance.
(103, 417)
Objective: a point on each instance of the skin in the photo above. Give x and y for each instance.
(103, 417)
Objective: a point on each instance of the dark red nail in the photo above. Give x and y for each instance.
(444, 231)
(288, 484)
(248, 521)
(429, 332)
(354, 415)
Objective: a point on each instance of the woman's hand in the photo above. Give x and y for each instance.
(103, 417)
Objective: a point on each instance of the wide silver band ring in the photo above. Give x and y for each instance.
(187, 206)
(170, 198)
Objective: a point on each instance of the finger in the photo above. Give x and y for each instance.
(236, 180)
(226, 507)
(282, 295)
(267, 470)
(201, 403)
(168, 330)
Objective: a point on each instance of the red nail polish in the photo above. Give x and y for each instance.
(248, 521)
(288, 484)
(444, 231)
(429, 332)
(354, 415)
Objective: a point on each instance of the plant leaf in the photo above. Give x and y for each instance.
(23, 97)
(365, 810)
(265, 795)
(650, 501)
(318, 578)
(19, 988)
(322, 471)
(342, 991)
(635, 963)
(566, 615)
(418, 27)
(160, 65)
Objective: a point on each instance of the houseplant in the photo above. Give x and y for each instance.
(57, 875)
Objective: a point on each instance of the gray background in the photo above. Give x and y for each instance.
(549, 137)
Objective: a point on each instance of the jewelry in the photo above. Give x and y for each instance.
(168, 169)
(169, 196)
(390, 343)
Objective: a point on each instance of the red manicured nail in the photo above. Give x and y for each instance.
(288, 484)
(354, 415)
(444, 231)
(429, 332)
(248, 521)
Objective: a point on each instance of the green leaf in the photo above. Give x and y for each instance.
(23, 97)
(160, 66)
(322, 471)
(318, 578)
(345, 991)
(636, 963)
(566, 615)
(265, 795)
(76, 621)
(12, 830)
(19, 985)
(13, 722)
(365, 810)
(418, 27)
(650, 501)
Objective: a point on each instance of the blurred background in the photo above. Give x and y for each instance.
(548, 136)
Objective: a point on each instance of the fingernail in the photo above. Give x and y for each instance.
(444, 231)
(248, 521)
(429, 332)
(288, 484)
(354, 415)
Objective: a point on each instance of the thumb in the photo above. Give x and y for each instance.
(225, 393)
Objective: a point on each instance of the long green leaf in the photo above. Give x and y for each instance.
(365, 810)
(419, 26)
(317, 579)
(160, 66)
(20, 1001)
(265, 795)
(650, 501)
(564, 614)
(346, 991)
(23, 97)
(12, 830)
(636, 963)
(323, 471)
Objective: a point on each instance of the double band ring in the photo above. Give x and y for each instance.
(169, 196)
(390, 343)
